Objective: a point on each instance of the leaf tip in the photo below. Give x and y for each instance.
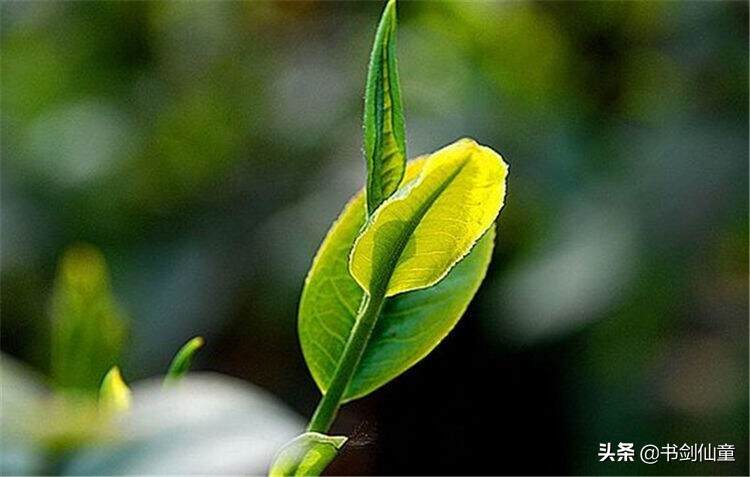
(473, 145)
(114, 394)
(181, 362)
(196, 343)
(390, 7)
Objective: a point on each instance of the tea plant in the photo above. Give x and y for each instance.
(88, 332)
(399, 266)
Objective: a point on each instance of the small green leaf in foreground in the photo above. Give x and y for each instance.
(114, 394)
(384, 139)
(307, 454)
(183, 359)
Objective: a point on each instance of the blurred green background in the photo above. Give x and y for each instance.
(206, 147)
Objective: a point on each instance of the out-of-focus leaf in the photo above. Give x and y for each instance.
(181, 363)
(420, 233)
(306, 455)
(411, 324)
(385, 143)
(88, 328)
(114, 394)
(210, 424)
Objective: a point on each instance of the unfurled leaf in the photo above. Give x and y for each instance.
(114, 394)
(88, 328)
(412, 323)
(183, 359)
(384, 141)
(420, 233)
(307, 454)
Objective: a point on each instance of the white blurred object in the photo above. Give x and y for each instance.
(576, 278)
(206, 424)
(21, 393)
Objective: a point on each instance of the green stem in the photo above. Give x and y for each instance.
(366, 319)
(355, 347)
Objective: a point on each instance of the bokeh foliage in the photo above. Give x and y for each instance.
(205, 147)
(88, 328)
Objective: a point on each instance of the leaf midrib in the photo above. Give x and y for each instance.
(382, 280)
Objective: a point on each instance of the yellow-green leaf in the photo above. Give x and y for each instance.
(114, 394)
(421, 232)
(384, 136)
(410, 325)
(88, 327)
(182, 360)
(306, 455)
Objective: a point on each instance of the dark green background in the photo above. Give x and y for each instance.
(205, 148)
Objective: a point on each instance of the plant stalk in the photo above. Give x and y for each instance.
(329, 405)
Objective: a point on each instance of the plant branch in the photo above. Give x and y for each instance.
(329, 405)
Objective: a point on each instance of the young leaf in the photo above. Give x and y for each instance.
(114, 394)
(306, 455)
(417, 235)
(410, 325)
(384, 140)
(182, 360)
(88, 328)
